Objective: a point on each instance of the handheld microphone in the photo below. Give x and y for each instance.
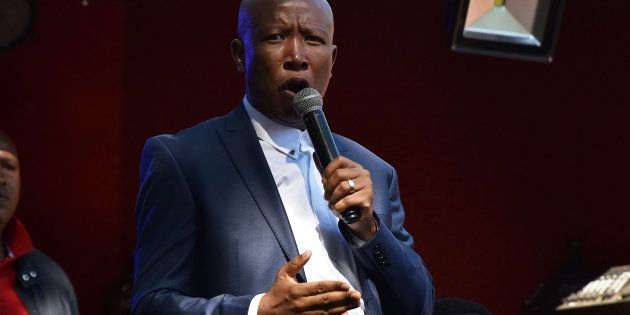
(308, 103)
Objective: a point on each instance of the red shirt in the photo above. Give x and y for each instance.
(18, 243)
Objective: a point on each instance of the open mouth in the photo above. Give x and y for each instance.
(294, 85)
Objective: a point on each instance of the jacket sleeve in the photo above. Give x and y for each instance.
(166, 263)
(403, 282)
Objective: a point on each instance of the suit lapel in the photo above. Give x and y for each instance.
(241, 144)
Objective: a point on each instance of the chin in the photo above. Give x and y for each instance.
(294, 122)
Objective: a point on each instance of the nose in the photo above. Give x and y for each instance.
(296, 55)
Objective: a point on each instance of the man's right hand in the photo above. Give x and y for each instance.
(287, 296)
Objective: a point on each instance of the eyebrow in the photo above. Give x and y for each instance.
(4, 160)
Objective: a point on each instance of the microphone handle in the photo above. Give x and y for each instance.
(326, 151)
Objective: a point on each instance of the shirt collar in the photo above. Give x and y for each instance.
(282, 138)
(16, 240)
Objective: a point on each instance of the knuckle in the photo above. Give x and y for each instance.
(294, 261)
(292, 293)
(297, 305)
(340, 205)
(333, 200)
(336, 174)
(280, 273)
(320, 288)
(335, 192)
(366, 204)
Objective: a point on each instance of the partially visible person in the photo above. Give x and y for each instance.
(30, 282)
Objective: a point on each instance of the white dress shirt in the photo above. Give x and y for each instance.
(289, 154)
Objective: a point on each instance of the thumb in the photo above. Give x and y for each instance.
(292, 268)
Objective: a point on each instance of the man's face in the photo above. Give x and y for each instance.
(286, 46)
(9, 186)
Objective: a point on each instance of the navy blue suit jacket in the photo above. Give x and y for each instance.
(212, 231)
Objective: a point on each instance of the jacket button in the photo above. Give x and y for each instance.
(25, 277)
(379, 254)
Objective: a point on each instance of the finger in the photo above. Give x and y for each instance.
(343, 310)
(338, 162)
(344, 189)
(340, 310)
(361, 199)
(292, 268)
(340, 176)
(338, 301)
(320, 287)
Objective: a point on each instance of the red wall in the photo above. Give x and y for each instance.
(501, 162)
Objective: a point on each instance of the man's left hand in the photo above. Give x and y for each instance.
(341, 196)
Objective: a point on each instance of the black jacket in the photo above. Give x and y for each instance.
(43, 287)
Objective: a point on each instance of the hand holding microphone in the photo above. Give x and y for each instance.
(347, 185)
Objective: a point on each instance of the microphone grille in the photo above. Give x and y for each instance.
(307, 100)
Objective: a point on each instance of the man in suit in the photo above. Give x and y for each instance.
(226, 207)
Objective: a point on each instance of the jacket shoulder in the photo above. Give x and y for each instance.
(41, 282)
(194, 134)
(363, 155)
(37, 264)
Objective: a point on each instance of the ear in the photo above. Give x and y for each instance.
(238, 54)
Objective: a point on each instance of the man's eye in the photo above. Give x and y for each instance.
(315, 40)
(275, 37)
(9, 167)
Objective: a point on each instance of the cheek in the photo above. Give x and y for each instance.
(323, 76)
(323, 63)
(261, 73)
(268, 59)
(14, 189)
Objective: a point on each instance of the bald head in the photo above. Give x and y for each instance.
(250, 10)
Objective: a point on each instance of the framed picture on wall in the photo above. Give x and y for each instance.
(520, 29)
